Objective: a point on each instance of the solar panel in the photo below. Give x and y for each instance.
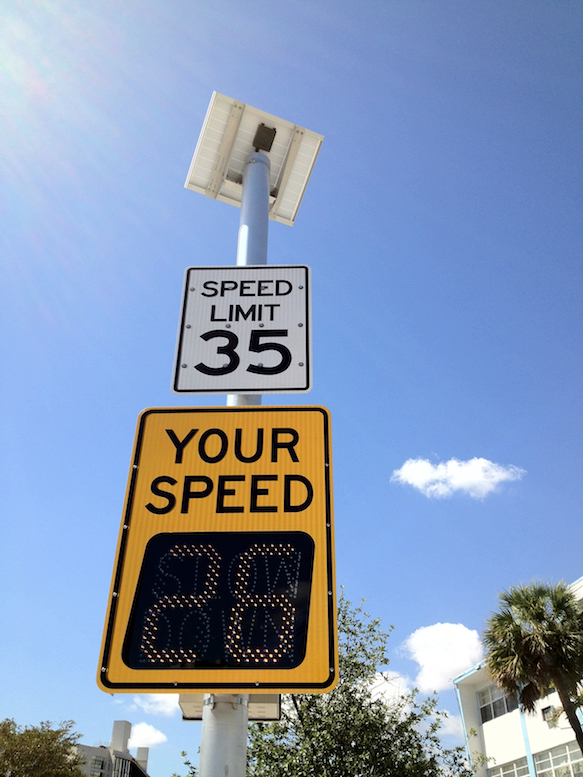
(227, 138)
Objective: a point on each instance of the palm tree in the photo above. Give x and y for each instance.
(535, 644)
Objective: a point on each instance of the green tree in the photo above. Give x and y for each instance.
(41, 750)
(192, 772)
(349, 732)
(535, 643)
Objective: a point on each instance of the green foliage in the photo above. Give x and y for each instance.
(535, 640)
(349, 732)
(534, 644)
(39, 751)
(479, 759)
(191, 768)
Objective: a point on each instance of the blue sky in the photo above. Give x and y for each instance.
(442, 224)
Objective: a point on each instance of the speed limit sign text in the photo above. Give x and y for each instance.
(245, 330)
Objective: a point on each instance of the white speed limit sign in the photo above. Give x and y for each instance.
(244, 330)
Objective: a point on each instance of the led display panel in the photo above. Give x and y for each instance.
(222, 600)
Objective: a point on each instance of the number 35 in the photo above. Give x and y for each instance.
(255, 345)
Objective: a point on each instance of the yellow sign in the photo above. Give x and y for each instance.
(224, 573)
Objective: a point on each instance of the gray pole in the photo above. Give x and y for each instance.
(253, 228)
(223, 741)
(254, 222)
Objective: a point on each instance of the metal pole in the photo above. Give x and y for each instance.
(254, 222)
(223, 741)
(253, 228)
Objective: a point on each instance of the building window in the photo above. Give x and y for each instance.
(96, 766)
(493, 703)
(550, 716)
(515, 769)
(561, 761)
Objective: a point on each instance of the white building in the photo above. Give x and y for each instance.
(502, 741)
(115, 760)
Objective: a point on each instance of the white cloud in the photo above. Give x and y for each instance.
(476, 477)
(442, 651)
(158, 703)
(390, 686)
(452, 726)
(145, 735)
